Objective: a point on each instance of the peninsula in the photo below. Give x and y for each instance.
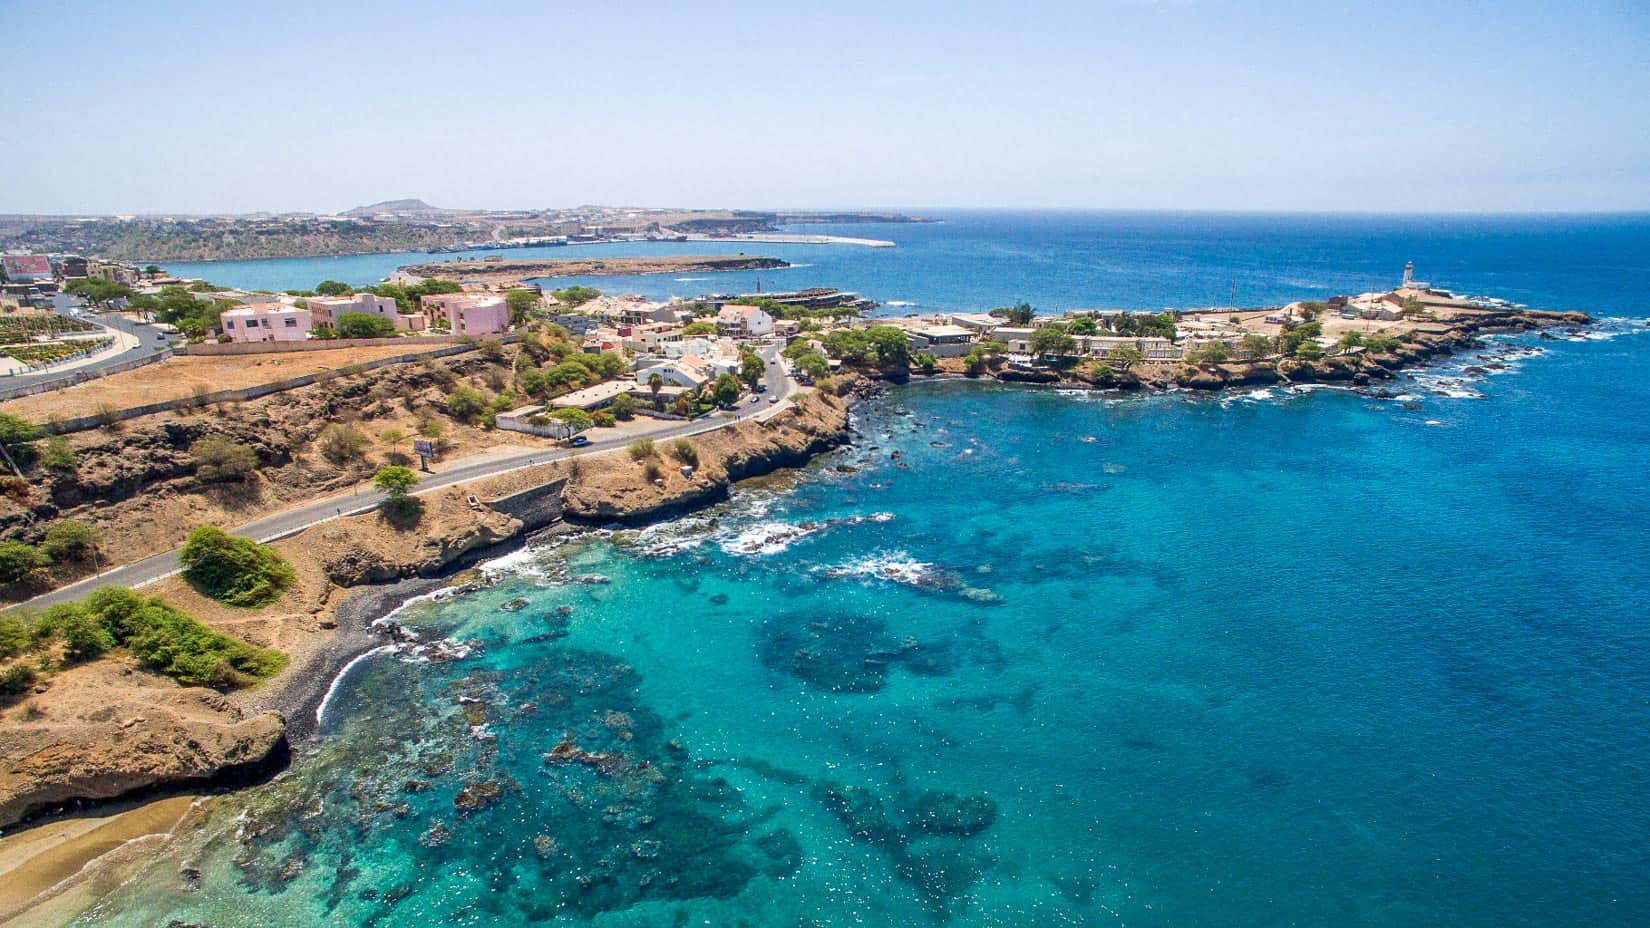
(499, 271)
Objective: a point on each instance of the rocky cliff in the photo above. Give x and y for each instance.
(108, 729)
(633, 492)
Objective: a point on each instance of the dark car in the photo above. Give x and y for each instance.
(578, 441)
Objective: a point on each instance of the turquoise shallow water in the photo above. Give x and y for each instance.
(1262, 659)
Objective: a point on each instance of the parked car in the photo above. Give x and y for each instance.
(578, 441)
(773, 399)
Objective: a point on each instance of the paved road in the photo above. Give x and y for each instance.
(364, 499)
(148, 339)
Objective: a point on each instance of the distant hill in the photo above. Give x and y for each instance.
(409, 207)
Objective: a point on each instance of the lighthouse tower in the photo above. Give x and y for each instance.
(1409, 274)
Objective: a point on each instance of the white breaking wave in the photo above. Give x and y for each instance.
(901, 303)
(893, 566)
(332, 688)
(767, 538)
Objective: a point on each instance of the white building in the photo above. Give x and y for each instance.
(741, 321)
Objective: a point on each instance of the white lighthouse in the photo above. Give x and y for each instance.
(1410, 283)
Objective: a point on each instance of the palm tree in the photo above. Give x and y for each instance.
(656, 382)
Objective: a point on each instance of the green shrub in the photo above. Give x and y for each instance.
(341, 444)
(363, 325)
(163, 639)
(57, 454)
(15, 636)
(466, 404)
(69, 541)
(17, 679)
(642, 449)
(603, 420)
(83, 633)
(221, 458)
(18, 560)
(685, 452)
(234, 570)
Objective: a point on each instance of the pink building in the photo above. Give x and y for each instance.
(325, 310)
(265, 322)
(467, 313)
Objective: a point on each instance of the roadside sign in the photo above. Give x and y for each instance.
(425, 449)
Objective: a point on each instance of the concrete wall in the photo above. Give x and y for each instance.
(536, 507)
(316, 344)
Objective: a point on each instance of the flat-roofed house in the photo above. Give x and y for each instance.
(592, 398)
(941, 341)
(265, 322)
(325, 310)
(467, 313)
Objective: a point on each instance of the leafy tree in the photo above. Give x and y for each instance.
(698, 328)
(533, 381)
(1019, 314)
(363, 325)
(334, 288)
(624, 407)
(396, 481)
(522, 302)
(1308, 350)
(234, 570)
(1127, 355)
(607, 364)
(18, 560)
(1100, 370)
(97, 289)
(1350, 340)
(1052, 339)
(219, 458)
(602, 419)
(813, 364)
(570, 373)
(69, 540)
(1083, 325)
(1211, 352)
(726, 390)
(751, 367)
(578, 419)
(152, 271)
(1258, 345)
(575, 296)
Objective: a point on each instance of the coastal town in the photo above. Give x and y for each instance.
(364, 444)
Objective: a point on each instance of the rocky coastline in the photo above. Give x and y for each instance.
(354, 572)
(1424, 345)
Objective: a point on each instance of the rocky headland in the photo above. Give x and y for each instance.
(512, 271)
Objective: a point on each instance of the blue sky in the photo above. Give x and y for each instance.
(1198, 104)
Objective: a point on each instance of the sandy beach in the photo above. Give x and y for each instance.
(50, 872)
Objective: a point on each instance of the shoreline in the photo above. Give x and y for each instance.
(309, 683)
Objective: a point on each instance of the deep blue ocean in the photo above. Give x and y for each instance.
(1035, 657)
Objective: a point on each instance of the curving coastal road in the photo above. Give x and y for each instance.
(292, 521)
(148, 340)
